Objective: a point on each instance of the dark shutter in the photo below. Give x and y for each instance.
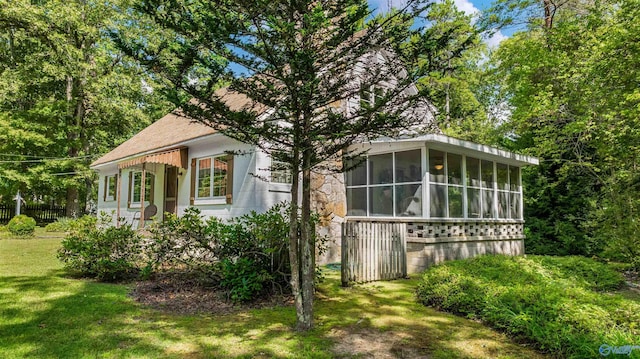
(115, 188)
(130, 189)
(106, 188)
(229, 189)
(192, 197)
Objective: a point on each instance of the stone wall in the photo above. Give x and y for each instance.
(329, 200)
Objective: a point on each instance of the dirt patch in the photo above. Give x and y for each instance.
(368, 343)
(182, 295)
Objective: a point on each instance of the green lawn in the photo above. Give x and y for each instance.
(44, 314)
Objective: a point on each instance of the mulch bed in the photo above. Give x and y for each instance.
(179, 294)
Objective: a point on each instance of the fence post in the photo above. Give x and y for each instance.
(345, 255)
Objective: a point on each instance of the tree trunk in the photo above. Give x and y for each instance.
(548, 14)
(294, 240)
(307, 244)
(73, 205)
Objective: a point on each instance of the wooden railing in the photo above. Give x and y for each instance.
(42, 213)
(373, 251)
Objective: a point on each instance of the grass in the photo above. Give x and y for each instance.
(568, 306)
(44, 314)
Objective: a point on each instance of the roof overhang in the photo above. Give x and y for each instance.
(450, 144)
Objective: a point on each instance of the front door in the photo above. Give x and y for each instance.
(171, 189)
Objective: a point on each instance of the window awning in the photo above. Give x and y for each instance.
(177, 157)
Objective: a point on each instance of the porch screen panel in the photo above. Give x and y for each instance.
(381, 201)
(455, 187)
(438, 201)
(455, 202)
(409, 200)
(357, 201)
(502, 174)
(515, 193)
(474, 198)
(487, 182)
(381, 169)
(438, 186)
(408, 179)
(357, 176)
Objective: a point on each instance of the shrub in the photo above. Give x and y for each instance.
(103, 252)
(60, 225)
(553, 302)
(22, 225)
(244, 279)
(252, 250)
(188, 241)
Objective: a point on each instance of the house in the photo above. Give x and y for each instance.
(457, 198)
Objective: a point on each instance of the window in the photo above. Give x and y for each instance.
(280, 172)
(369, 95)
(386, 185)
(212, 177)
(390, 185)
(136, 188)
(110, 188)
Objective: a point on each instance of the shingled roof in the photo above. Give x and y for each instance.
(172, 130)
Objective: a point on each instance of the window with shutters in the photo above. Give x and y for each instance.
(213, 180)
(110, 186)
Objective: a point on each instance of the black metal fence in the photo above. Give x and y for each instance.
(42, 213)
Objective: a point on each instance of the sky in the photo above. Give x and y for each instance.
(468, 6)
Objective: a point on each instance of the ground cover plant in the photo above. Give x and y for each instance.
(46, 314)
(563, 305)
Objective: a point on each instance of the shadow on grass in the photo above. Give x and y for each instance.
(56, 317)
(391, 307)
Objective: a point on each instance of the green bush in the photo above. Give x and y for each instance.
(248, 255)
(243, 278)
(556, 303)
(99, 251)
(22, 225)
(63, 224)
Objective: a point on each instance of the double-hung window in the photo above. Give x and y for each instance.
(110, 186)
(135, 190)
(213, 179)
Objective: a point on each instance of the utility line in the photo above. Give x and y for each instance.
(43, 157)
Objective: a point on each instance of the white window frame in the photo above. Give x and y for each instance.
(282, 171)
(133, 203)
(394, 184)
(110, 197)
(211, 199)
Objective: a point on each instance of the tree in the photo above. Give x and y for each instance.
(67, 95)
(307, 62)
(572, 89)
(457, 79)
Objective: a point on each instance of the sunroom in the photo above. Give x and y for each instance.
(457, 198)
